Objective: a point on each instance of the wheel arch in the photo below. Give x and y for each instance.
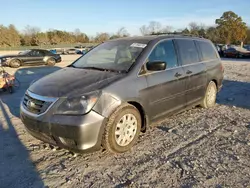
(216, 82)
(142, 112)
(46, 58)
(16, 58)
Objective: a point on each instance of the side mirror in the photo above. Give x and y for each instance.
(156, 65)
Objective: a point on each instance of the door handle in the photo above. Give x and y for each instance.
(189, 72)
(177, 74)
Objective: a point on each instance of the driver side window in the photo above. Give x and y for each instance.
(164, 51)
(33, 53)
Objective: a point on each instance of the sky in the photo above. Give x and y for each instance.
(95, 16)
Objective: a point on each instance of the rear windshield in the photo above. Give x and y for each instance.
(116, 55)
(25, 52)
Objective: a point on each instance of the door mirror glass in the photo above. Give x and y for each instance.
(156, 65)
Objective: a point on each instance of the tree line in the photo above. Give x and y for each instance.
(32, 36)
(228, 29)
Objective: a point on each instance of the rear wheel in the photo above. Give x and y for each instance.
(51, 62)
(122, 129)
(15, 63)
(210, 96)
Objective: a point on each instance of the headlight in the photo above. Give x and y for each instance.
(5, 59)
(78, 105)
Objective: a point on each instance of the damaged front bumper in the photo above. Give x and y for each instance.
(76, 133)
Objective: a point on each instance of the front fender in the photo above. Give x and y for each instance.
(45, 59)
(106, 104)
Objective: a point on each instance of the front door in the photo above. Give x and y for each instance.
(166, 89)
(35, 57)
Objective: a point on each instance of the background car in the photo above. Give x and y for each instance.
(247, 47)
(236, 52)
(82, 51)
(69, 51)
(31, 57)
(53, 51)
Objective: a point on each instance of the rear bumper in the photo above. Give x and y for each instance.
(76, 133)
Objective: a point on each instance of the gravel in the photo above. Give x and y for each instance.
(196, 148)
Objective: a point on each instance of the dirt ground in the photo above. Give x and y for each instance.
(197, 148)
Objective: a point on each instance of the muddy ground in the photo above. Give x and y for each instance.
(197, 148)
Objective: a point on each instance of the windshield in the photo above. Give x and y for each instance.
(113, 55)
(24, 52)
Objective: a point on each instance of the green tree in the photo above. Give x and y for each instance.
(212, 34)
(122, 32)
(197, 29)
(101, 37)
(42, 38)
(14, 36)
(185, 31)
(248, 36)
(231, 28)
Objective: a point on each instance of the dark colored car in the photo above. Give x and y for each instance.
(247, 47)
(30, 57)
(236, 53)
(116, 90)
(82, 51)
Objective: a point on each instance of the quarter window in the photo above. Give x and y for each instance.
(164, 51)
(207, 50)
(187, 51)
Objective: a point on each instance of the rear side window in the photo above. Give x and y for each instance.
(164, 51)
(207, 50)
(187, 51)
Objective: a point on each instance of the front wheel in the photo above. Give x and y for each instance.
(210, 96)
(51, 62)
(122, 129)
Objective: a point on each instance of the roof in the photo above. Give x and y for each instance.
(38, 49)
(153, 37)
(137, 38)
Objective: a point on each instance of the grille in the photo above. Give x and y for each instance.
(34, 105)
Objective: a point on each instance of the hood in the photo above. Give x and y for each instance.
(11, 55)
(73, 82)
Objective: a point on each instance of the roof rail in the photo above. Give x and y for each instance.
(177, 33)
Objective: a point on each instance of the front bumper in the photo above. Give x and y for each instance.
(76, 133)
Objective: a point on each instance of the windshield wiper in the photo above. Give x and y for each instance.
(103, 69)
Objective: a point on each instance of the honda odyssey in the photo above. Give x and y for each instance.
(116, 90)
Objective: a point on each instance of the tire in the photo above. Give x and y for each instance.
(51, 62)
(209, 99)
(15, 63)
(116, 130)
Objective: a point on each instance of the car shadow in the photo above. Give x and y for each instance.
(24, 76)
(16, 169)
(235, 93)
